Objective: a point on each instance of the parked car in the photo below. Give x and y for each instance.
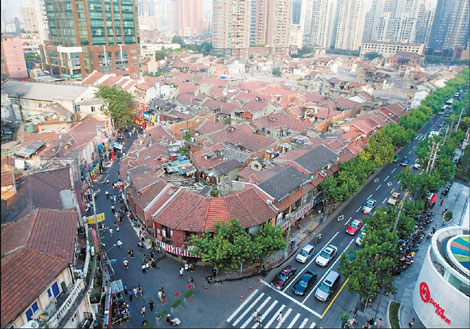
(355, 226)
(369, 206)
(304, 255)
(326, 255)
(393, 199)
(396, 158)
(416, 165)
(305, 283)
(405, 162)
(328, 286)
(283, 277)
(360, 238)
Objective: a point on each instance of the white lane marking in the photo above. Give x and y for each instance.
(386, 178)
(306, 266)
(347, 221)
(370, 196)
(265, 314)
(414, 147)
(294, 321)
(291, 299)
(326, 273)
(393, 189)
(234, 314)
(268, 325)
(247, 310)
(393, 170)
(304, 322)
(284, 318)
(312, 325)
(358, 209)
(378, 187)
(409, 152)
(258, 309)
(384, 200)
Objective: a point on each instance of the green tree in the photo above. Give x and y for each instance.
(463, 171)
(369, 270)
(118, 105)
(227, 248)
(372, 55)
(268, 240)
(277, 72)
(160, 54)
(178, 39)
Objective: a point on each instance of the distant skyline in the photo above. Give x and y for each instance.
(12, 7)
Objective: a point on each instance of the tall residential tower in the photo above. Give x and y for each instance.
(350, 24)
(89, 35)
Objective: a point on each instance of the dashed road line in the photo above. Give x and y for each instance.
(370, 196)
(393, 170)
(358, 209)
(386, 178)
(378, 187)
(347, 221)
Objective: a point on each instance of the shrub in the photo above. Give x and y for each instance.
(393, 315)
(448, 216)
(176, 303)
(189, 293)
(162, 314)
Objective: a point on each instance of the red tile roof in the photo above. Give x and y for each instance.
(201, 164)
(341, 102)
(254, 106)
(315, 98)
(35, 250)
(111, 81)
(7, 179)
(92, 78)
(242, 135)
(208, 127)
(282, 120)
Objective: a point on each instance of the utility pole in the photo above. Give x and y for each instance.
(435, 156)
(430, 157)
(460, 117)
(399, 211)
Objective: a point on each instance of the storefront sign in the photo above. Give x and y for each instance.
(91, 219)
(95, 169)
(185, 252)
(425, 295)
(295, 216)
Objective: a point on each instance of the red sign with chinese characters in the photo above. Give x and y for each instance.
(425, 295)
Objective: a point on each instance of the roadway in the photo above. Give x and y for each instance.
(307, 311)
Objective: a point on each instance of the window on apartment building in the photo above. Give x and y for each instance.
(53, 291)
(32, 310)
(297, 204)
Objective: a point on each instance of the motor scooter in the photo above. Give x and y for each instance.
(173, 321)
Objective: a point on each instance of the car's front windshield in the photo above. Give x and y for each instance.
(304, 253)
(324, 287)
(282, 277)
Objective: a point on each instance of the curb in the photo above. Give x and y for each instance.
(387, 318)
(398, 315)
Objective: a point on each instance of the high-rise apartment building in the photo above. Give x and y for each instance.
(392, 21)
(451, 25)
(190, 17)
(92, 35)
(13, 62)
(231, 27)
(29, 18)
(350, 24)
(297, 26)
(424, 24)
(321, 23)
(41, 17)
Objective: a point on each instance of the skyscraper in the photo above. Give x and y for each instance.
(392, 21)
(91, 35)
(350, 24)
(451, 25)
(322, 19)
(29, 18)
(230, 27)
(424, 24)
(190, 17)
(297, 26)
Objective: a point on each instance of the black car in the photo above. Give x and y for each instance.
(305, 283)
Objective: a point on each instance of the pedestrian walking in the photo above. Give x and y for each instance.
(130, 294)
(132, 253)
(371, 322)
(152, 255)
(142, 310)
(113, 210)
(256, 317)
(191, 267)
(279, 317)
(151, 304)
(125, 262)
(119, 243)
(141, 290)
(366, 325)
(111, 232)
(144, 259)
(160, 296)
(181, 271)
(379, 323)
(125, 289)
(191, 282)
(134, 291)
(107, 181)
(107, 194)
(434, 229)
(411, 323)
(428, 236)
(144, 268)
(442, 201)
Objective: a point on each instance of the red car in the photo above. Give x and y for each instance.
(354, 226)
(282, 278)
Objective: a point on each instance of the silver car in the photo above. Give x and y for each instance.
(327, 286)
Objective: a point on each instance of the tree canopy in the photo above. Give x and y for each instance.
(118, 105)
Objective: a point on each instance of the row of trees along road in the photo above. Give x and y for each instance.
(369, 269)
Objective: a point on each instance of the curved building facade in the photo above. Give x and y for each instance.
(441, 297)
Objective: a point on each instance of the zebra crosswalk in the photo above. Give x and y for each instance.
(272, 314)
(420, 137)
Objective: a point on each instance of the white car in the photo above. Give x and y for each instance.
(369, 206)
(304, 255)
(360, 238)
(326, 255)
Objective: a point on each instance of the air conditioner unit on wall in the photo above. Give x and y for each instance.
(322, 173)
